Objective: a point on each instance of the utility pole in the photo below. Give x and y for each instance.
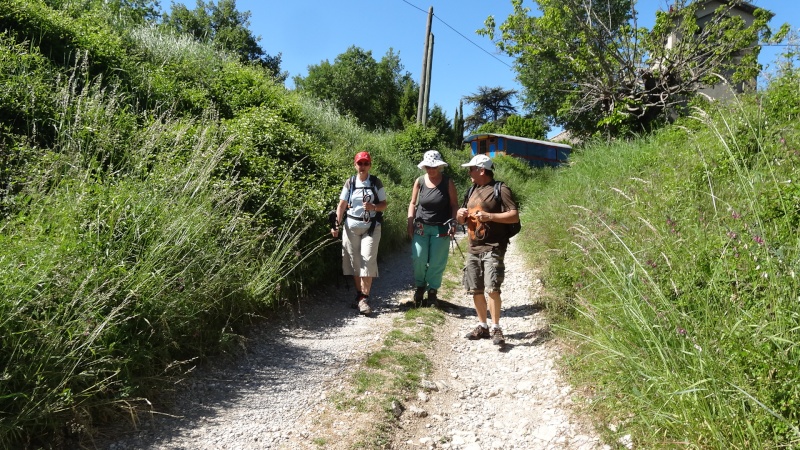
(423, 76)
(429, 67)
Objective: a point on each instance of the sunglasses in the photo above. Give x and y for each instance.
(362, 163)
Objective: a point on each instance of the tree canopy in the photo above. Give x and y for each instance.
(489, 105)
(378, 94)
(589, 67)
(533, 127)
(224, 26)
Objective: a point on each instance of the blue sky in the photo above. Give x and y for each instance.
(307, 32)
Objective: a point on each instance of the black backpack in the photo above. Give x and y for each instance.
(512, 229)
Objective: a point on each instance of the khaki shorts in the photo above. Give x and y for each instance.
(360, 251)
(485, 271)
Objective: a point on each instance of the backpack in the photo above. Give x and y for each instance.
(372, 182)
(512, 229)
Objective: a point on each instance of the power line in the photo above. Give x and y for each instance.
(459, 33)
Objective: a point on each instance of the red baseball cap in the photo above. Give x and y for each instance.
(363, 156)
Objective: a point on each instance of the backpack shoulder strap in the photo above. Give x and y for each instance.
(351, 187)
(497, 186)
(468, 195)
(497, 196)
(373, 184)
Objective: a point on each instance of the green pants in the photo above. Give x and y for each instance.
(429, 253)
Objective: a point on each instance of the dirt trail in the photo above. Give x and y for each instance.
(276, 395)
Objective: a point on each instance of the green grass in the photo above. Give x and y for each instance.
(392, 373)
(671, 265)
(153, 187)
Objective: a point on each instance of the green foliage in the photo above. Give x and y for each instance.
(263, 145)
(62, 38)
(528, 127)
(415, 140)
(672, 263)
(602, 86)
(225, 27)
(489, 105)
(533, 128)
(107, 278)
(27, 80)
(458, 126)
(437, 119)
(378, 94)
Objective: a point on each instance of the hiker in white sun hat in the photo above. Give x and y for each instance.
(485, 211)
(482, 161)
(431, 225)
(432, 158)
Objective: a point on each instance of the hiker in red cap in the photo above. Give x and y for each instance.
(363, 200)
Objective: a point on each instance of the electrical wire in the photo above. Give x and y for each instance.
(459, 33)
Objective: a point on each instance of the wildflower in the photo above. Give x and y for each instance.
(681, 331)
(698, 348)
(759, 240)
(732, 235)
(736, 215)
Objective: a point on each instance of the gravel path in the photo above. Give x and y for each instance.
(484, 398)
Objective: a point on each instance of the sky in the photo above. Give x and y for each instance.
(307, 32)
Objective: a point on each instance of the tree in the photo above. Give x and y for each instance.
(437, 119)
(136, 11)
(227, 28)
(458, 126)
(489, 105)
(408, 102)
(378, 94)
(533, 127)
(588, 67)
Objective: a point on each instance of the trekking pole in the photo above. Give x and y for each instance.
(452, 235)
(334, 223)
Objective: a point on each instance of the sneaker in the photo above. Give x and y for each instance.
(479, 332)
(433, 300)
(363, 306)
(497, 336)
(418, 296)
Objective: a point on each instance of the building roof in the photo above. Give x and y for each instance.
(473, 137)
(741, 6)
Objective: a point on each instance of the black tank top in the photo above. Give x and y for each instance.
(434, 203)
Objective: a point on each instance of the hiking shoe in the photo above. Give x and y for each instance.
(433, 300)
(497, 336)
(478, 333)
(359, 295)
(418, 296)
(363, 306)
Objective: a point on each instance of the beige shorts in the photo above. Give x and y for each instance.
(360, 251)
(485, 271)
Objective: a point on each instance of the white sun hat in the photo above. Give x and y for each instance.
(432, 158)
(482, 161)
